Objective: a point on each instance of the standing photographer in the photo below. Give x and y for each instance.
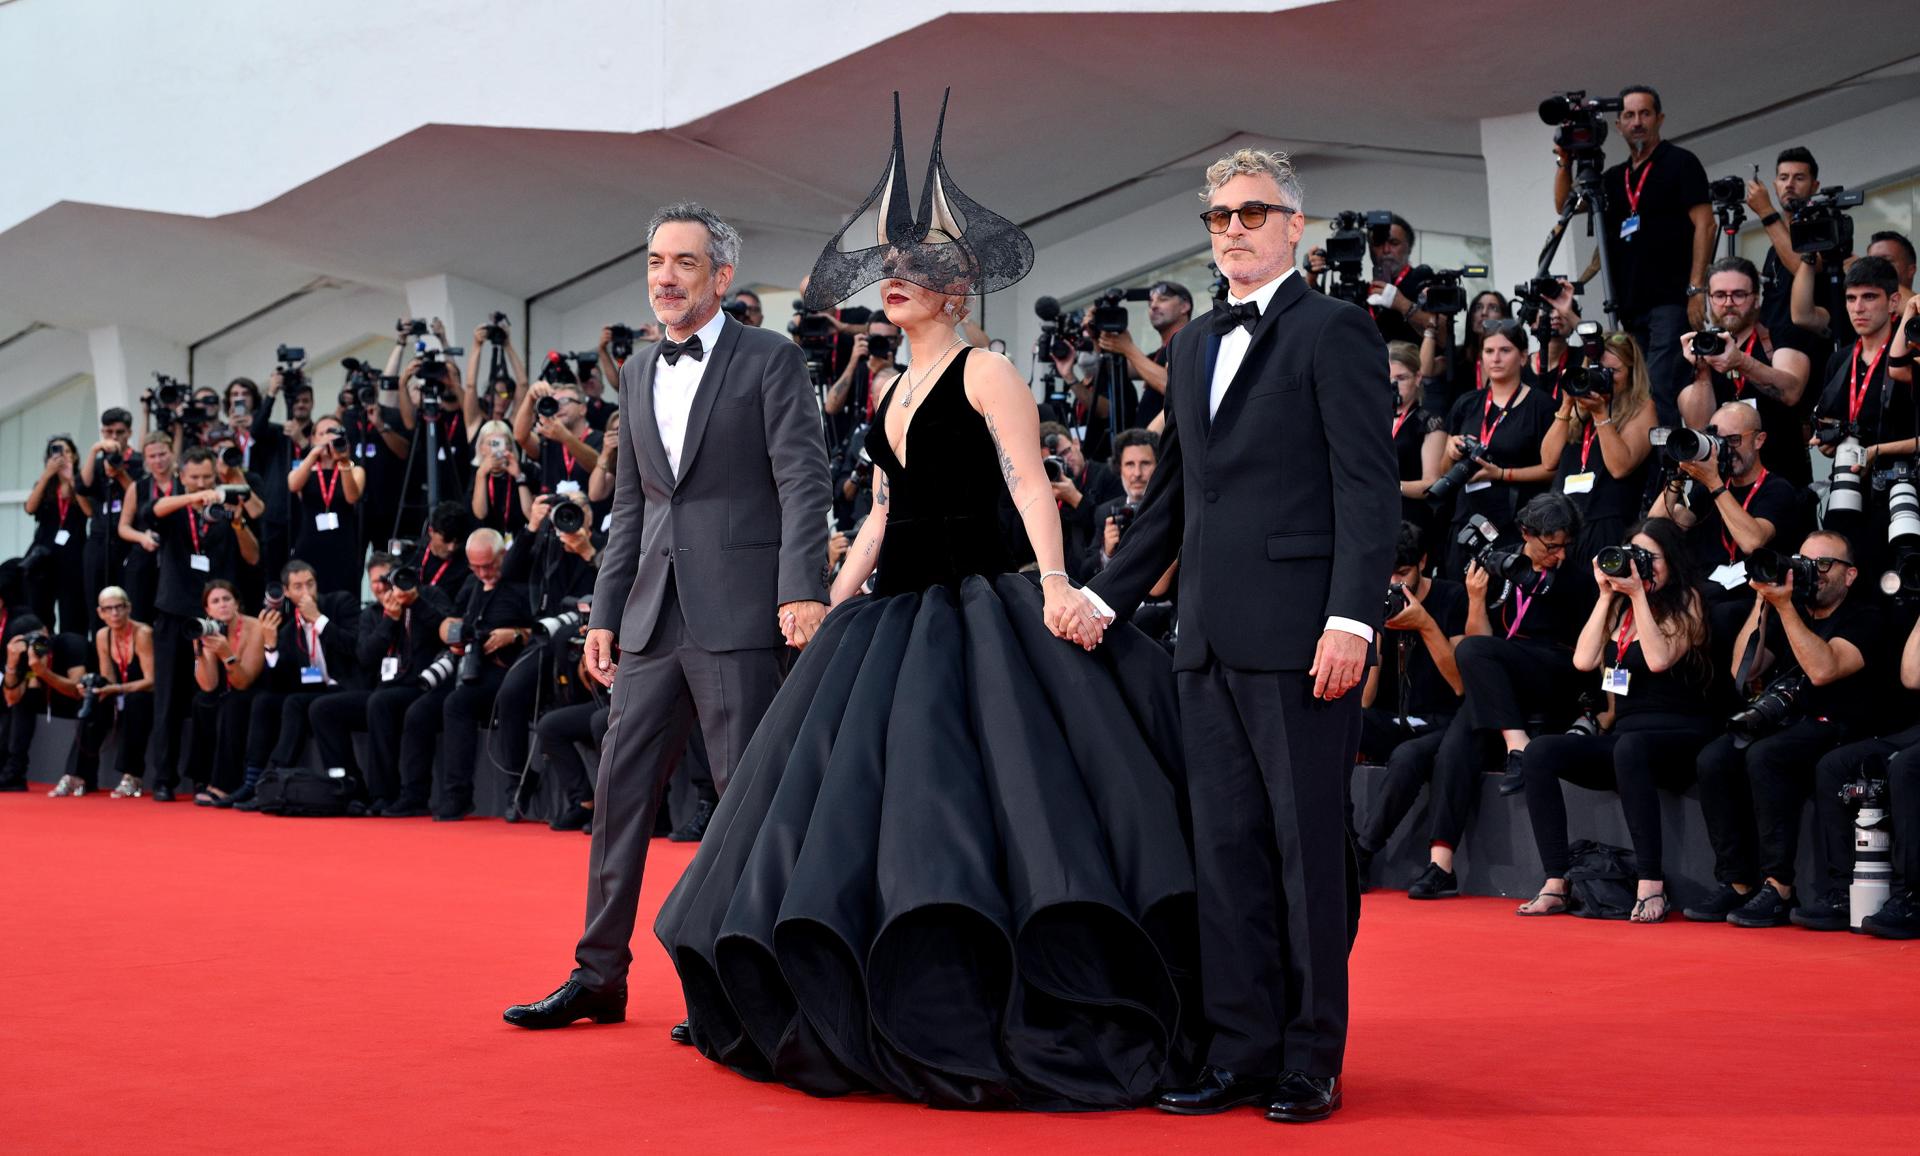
(1659, 233)
(1447, 370)
(1419, 438)
(851, 399)
(1497, 432)
(56, 563)
(109, 467)
(1796, 177)
(327, 485)
(135, 523)
(1599, 440)
(1746, 366)
(1169, 308)
(1393, 294)
(551, 426)
(1812, 644)
(501, 493)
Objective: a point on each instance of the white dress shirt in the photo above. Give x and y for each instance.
(674, 387)
(1233, 350)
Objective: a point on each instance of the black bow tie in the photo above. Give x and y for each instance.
(1227, 316)
(672, 350)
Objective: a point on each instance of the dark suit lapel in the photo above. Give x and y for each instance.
(656, 450)
(1284, 298)
(711, 382)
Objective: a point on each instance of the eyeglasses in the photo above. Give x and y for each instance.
(1823, 565)
(113, 607)
(1253, 214)
(1732, 297)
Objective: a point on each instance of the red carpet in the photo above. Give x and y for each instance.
(185, 979)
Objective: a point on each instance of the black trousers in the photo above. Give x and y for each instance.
(1409, 758)
(464, 710)
(217, 737)
(1642, 755)
(17, 726)
(1894, 755)
(1267, 773)
(173, 693)
(1774, 775)
(526, 689)
(141, 579)
(1515, 683)
(106, 559)
(133, 719)
(655, 698)
(1460, 759)
(390, 710)
(277, 727)
(333, 718)
(562, 727)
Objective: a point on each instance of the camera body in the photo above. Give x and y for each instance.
(1820, 223)
(497, 329)
(1621, 561)
(1727, 192)
(1123, 516)
(1350, 239)
(1396, 600)
(1578, 128)
(548, 406)
(202, 627)
(1504, 560)
(405, 577)
(1770, 568)
(1458, 473)
(1783, 701)
(1109, 315)
(1681, 444)
(90, 685)
(567, 517)
(880, 345)
(1443, 294)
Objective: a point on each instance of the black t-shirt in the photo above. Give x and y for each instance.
(59, 512)
(503, 502)
(1776, 309)
(1393, 324)
(1512, 437)
(1425, 693)
(1651, 268)
(183, 534)
(1555, 616)
(386, 470)
(1884, 414)
(1582, 475)
(1152, 401)
(1786, 450)
(558, 465)
(1773, 499)
(447, 574)
(106, 493)
(1853, 701)
(485, 611)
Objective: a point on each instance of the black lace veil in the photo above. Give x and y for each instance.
(954, 245)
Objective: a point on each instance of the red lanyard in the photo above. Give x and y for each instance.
(1726, 539)
(62, 503)
(441, 572)
(193, 528)
(494, 503)
(406, 629)
(244, 440)
(1739, 379)
(1401, 420)
(326, 491)
(1486, 411)
(1634, 190)
(309, 635)
(1856, 384)
(157, 491)
(1524, 603)
(123, 661)
(1624, 639)
(1586, 444)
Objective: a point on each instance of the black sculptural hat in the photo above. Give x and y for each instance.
(954, 246)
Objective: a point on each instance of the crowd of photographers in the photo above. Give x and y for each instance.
(1615, 567)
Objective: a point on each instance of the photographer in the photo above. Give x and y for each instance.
(1093, 381)
(42, 676)
(1865, 414)
(1646, 639)
(1599, 440)
(228, 659)
(1796, 177)
(1446, 369)
(435, 400)
(121, 696)
(56, 563)
(327, 486)
(398, 633)
(1393, 295)
(203, 536)
(746, 308)
(1421, 682)
(269, 446)
(851, 399)
(309, 653)
(442, 562)
(1515, 662)
(1138, 453)
(560, 729)
(1748, 368)
(377, 441)
(1169, 308)
(551, 426)
(136, 526)
(1080, 487)
(230, 476)
(1497, 431)
(1419, 438)
(501, 491)
(1812, 646)
(1659, 233)
(109, 466)
(492, 626)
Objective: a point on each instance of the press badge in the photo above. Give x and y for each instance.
(567, 487)
(1476, 487)
(62, 537)
(326, 521)
(1732, 576)
(442, 455)
(1614, 679)
(115, 507)
(312, 676)
(606, 523)
(1578, 484)
(366, 451)
(1629, 227)
(201, 563)
(389, 668)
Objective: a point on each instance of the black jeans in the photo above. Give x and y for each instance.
(173, 694)
(1513, 683)
(1895, 756)
(526, 688)
(1771, 776)
(134, 719)
(1658, 331)
(17, 725)
(1643, 754)
(391, 712)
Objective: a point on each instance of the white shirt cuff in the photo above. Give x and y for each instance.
(320, 624)
(273, 658)
(1100, 606)
(1335, 622)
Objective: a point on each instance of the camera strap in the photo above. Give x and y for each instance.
(1856, 384)
(1726, 539)
(193, 529)
(62, 503)
(1586, 444)
(1624, 638)
(1749, 658)
(438, 574)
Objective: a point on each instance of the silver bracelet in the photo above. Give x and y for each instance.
(1046, 574)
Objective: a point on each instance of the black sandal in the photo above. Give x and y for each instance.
(1640, 906)
(208, 797)
(1566, 903)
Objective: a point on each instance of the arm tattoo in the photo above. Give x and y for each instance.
(1007, 473)
(880, 489)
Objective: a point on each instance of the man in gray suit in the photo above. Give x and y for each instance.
(718, 553)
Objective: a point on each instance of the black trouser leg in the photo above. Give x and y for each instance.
(419, 738)
(1903, 801)
(1833, 818)
(263, 726)
(559, 730)
(21, 718)
(235, 717)
(514, 706)
(173, 694)
(94, 729)
(1409, 767)
(1726, 802)
(465, 712)
(333, 718)
(1509, 679)
(1583, 759)
(1458, 762)
(1780, 769)
(1654, 753)
(136, 727)
(386, 719)
(295, 712)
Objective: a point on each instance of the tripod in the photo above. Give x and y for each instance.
(1589, 196)
(426, 428)
(1730, 216)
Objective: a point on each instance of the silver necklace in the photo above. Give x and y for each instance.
(906, 399)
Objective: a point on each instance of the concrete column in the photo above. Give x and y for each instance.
(1520, 166)
(124, 362)
(462, 304)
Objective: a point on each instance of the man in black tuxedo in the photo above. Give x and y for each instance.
(1276, 490)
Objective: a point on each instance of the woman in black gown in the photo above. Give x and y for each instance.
(951, 864)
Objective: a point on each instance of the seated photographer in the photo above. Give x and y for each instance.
(1814, 650)
(1080, 487)
(1169, 308)
(229, 657)
(1515, 662)
(442, 562)
(1419, 438)
(850, 400)
(560, 728)
(141, 574)
(1746, 366)
(1137, 452)
(205, 536)
(309, 649)
(1646, 640)
(398, 633)
(121, 696)
(1599, 442)
(1865, 414)
(491, 627)
(327, 486)
(1411, 695)
(1448, 369)
(42, 676)
(1728, 517)
(1493, 456)
(56, 563)
(551, 426)
(500, 492)
(108, 467)
(1894, 758)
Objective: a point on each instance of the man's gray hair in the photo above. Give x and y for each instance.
(1258, 163)
(723, 240)
(489, 537)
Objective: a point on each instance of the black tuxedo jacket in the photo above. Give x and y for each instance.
(1282, 508)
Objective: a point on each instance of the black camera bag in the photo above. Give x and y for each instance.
(298, 791)
(1602, 880)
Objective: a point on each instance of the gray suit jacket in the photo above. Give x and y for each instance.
(743, 529)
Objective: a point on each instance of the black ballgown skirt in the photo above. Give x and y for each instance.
(952, 865)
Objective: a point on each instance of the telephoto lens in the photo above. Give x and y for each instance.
(1691, 445)
(1903, 513)
(201, 627)
(1622, 561)
(1844, 494)
(404, 578)
(558, 624)
(548, 406)
(232, 457)
(437, 671)
(568, 517)
(1457, 475)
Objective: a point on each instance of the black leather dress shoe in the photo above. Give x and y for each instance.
(682, 1033)
(162, 794)
(1217, 1091)
(568, 1003)
(1302, 1099)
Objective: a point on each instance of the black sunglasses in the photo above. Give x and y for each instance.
(1253, 214)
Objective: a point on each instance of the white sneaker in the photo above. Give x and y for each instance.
(69, 785)
(129, 788)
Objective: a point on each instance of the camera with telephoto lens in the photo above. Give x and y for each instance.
(1820, 223)
(567, 517)
(881, 345)
(1585, 375)
(405, 577)
(1055, 462)
(1504, 560)
(432, 369)
(471, 660)
(165, 401)
(438, 671)
(1680, 444)
(1770, 567)
(39, 646)
(548, 406)
(1396, 600)
(1778, 706)
(274, 597)
(560, 623)
(233, 457)
(1622, 561)
(1443, 294)
(1350, 238)
(1845, 488)
(202, 627)
(235, 493)
(1059, 330)
(1578, 128)
(90, 685)
(1458, 473)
